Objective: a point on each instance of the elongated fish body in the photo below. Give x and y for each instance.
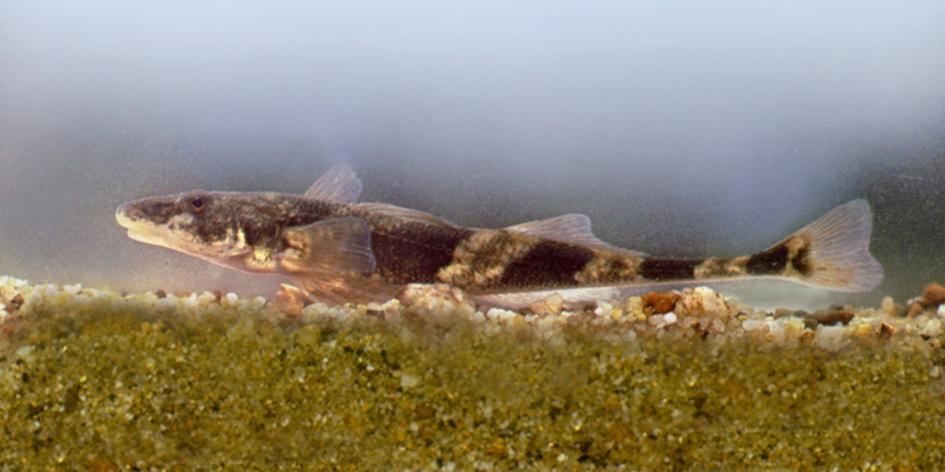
(339, 250)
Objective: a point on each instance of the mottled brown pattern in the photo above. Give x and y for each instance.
(715, 268)
(480, 260)
(790, 257)
(608, 268)
(414, 253)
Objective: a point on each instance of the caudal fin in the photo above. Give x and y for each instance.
(832, 252)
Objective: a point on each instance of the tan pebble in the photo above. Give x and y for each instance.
(915, 309)
(16, 303)
(782, 312)
(702, 301)
(290, 300)
(551, 305)
(831, 317)
(934, 295)
(807, 338)
(661, 302)
(886, 331)
(863, 330)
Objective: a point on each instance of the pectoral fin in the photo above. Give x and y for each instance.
(332, 246)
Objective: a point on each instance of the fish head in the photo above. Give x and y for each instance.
(199, 223)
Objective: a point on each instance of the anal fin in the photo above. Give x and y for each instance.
(571, 296)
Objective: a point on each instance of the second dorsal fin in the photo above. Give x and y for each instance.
(572, 228)
(339, 184)
(403, 214)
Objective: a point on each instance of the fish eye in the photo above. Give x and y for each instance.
(194, 203)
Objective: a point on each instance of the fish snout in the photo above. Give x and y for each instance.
(126, 214)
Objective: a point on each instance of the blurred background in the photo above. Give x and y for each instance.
(681, 128)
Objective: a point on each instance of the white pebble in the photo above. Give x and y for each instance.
(191, 300)
(831, 338)
(932, 328)
(941, 310)
(477, 317)
(231, 298)
(206, 298)
(603, 308)
(259, 302)
(752, 325)
(72, 289)
(51, 291)
(25, 351)
(35, 297)
(165, 304)
(409, 381)
(669, 318)
(4, 279)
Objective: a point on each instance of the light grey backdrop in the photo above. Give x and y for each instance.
(682, 128)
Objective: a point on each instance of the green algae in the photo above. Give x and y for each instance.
(125, 388)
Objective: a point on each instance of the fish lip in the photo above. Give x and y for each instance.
(122, 218)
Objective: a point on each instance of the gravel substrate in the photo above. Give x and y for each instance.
(688, 380)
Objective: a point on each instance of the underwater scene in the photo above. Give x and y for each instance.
(472, 235)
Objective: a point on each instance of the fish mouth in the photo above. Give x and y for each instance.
(141, 230)
(121, 216)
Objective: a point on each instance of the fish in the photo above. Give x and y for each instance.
(338, 250)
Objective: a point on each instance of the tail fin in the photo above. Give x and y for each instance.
(832, 252)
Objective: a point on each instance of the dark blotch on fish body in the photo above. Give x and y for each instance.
(415, 255)
(768, 262)
(668, 269)
(547, 263)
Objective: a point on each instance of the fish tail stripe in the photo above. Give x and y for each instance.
(669, 269)
(789, 258)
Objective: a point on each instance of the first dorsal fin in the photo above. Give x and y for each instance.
(339, 184)
(572, 228)
(332, 246)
